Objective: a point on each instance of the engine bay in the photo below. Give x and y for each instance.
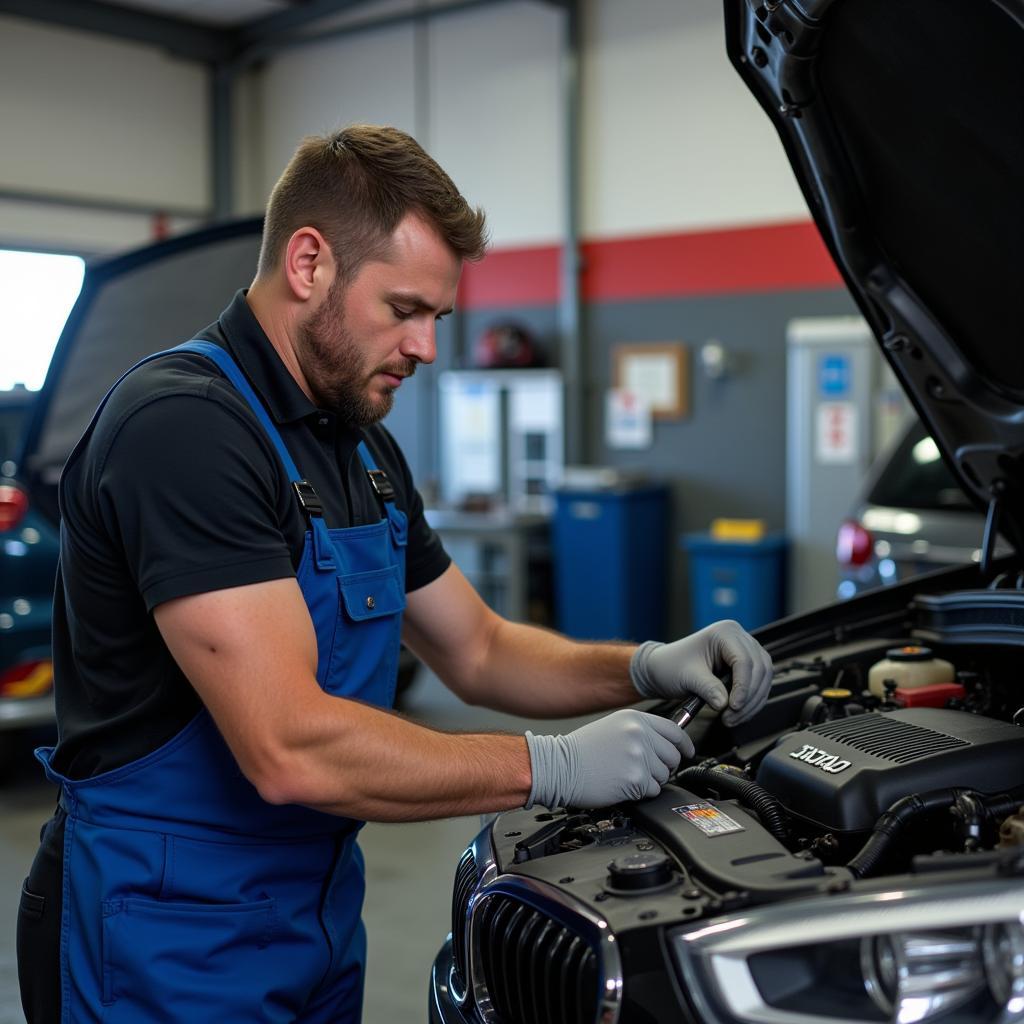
(794, 807)
(888, 761)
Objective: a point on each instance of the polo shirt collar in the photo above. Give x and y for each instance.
(249, 344)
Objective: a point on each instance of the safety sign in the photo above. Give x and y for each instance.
(836, 433)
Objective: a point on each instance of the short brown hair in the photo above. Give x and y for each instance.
(354, 187)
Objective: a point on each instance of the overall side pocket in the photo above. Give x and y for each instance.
(164, 960)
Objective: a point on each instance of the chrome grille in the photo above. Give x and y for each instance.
(465, 883)
(535, 969)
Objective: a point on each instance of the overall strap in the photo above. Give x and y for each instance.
(385, 491)
(322, 551)
(230, 369)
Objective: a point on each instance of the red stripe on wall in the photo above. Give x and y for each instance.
(776, 257)
(511, 277)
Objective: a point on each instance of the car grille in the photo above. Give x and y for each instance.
(465, 883)
(535, 969)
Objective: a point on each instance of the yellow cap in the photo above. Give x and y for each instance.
(737, 529)
(837, 693)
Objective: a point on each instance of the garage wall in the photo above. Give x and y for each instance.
(478, 89)
(92, 119)
(671, 137)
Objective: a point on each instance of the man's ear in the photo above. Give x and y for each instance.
(308, 264)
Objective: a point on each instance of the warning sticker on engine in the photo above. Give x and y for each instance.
(708, 818)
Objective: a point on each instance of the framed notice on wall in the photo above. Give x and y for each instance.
(657, 373)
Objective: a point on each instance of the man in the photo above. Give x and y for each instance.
(242, 549)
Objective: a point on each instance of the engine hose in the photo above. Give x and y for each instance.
(771, 812)
(892, 823)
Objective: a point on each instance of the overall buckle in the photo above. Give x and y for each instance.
(381, 484)
(308, 498)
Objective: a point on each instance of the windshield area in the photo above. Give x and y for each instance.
(917, 477)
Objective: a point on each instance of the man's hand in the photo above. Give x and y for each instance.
(627, 755)
(695, 664)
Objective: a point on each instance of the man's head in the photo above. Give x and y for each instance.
(366, 235)
(354, 187)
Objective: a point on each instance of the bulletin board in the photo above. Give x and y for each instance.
(658, 372)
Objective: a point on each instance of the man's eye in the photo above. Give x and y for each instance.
(401, 314)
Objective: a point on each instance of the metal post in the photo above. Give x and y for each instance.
(570, 303)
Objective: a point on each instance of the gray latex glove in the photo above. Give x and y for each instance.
(627, 755)
(695, 664)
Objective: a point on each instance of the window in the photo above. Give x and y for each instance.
(37, 291)
(916, 477)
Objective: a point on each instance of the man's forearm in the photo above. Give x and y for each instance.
(358, 761)
(534, 672)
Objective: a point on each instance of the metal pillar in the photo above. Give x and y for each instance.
(570, 299)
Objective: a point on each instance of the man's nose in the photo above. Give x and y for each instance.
(420, 341)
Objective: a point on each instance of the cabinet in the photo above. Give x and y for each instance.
(505, 556)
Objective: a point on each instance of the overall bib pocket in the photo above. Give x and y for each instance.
(367, 634)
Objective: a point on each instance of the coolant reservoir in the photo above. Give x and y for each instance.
(910, 666)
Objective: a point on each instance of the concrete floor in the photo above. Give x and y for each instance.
(409, 871)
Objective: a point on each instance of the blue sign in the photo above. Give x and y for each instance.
(834, 376)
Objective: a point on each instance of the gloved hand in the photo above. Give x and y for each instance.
(627, 755)
(695, 663)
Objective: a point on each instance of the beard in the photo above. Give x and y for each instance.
(335, 368)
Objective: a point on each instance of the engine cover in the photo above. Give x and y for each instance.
(842, 775)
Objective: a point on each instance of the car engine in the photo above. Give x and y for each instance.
(840, 787)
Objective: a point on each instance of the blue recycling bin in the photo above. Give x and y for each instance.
(611, 562)
(741, 580)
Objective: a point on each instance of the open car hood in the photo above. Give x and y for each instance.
(131, 305)
(904, 123)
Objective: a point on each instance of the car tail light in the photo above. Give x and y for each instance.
(27, 679)
(854, 543)
(13, 506)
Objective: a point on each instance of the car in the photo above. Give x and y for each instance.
(28, 562)
(855, 852)
(911, 517)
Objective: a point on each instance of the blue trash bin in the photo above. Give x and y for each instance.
(741, 580)
(610, 562)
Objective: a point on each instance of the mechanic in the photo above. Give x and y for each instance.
(242, 551)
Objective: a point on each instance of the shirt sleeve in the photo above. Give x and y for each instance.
(190, 492)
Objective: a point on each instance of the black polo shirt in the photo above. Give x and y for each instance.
(176, 491)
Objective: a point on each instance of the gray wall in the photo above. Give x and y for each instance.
(727, 458)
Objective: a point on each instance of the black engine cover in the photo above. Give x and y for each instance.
(841, 775)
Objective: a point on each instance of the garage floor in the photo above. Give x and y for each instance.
(409, 873)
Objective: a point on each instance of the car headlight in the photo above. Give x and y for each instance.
(945, 954)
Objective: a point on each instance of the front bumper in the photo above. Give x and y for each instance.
(443, 1009)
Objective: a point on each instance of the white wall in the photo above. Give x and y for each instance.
(672, 139)
(479, 90)
(85, 116)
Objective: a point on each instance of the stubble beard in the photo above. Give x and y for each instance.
(335, 368)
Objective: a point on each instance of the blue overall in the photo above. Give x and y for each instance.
(186, 897)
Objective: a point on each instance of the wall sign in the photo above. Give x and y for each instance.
(836, 433)
(627, 420)
(834, 375)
